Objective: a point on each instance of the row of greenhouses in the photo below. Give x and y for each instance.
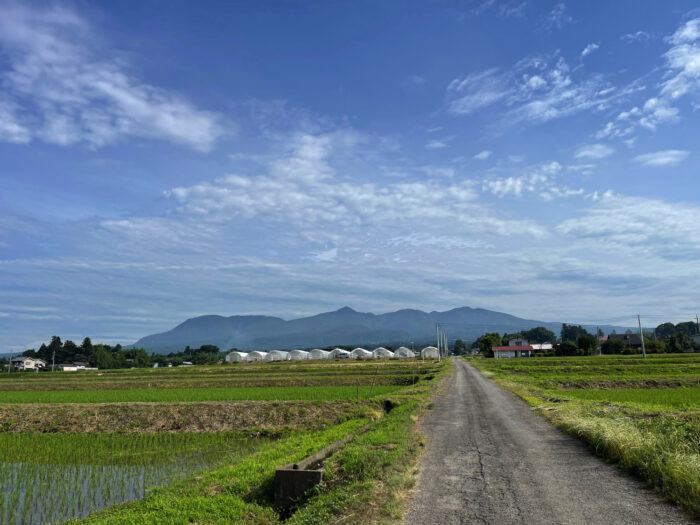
(336, 353)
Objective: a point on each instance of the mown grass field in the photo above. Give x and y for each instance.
(642, 413)
(165, 446)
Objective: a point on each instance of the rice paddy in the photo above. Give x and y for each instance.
(105, 460)
(642, 413)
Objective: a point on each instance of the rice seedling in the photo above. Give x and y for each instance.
(53, 477)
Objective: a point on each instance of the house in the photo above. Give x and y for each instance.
(80, 365)
(67, 367)
(631, 340)
(27, 363)
(516, 348)
(187, 363)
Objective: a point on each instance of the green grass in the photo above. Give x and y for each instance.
(331, 393)
(652, 432)
(679, 398)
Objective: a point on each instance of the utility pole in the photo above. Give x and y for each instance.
(53, 359)
(597, 341)
(697, 323)
(641, 334)
(437, 336)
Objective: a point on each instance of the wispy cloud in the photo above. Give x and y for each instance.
(637, 36)
(594, 151)
(668, 157)
(58, 89)
(681, 77)
(483, 155)
(436, 144)
(557, 17)
(535, 90)
(542, 181)
(589, 49)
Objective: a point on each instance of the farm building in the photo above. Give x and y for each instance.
(27, 363)
(429, 351)
(402, 351)
(257, 356)
(516, 348)
(631, 340)
(339, 353)
(542, 346)
(317, 353)
(296, 355)
(278, 355)
(235, 357)
(361, 353)
(382, 352)
(67, 367)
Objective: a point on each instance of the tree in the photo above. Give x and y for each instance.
(565, 349)
(487, 341)
(86, 346)
(539, 334)
(460, 348)
(687, 328)
(613, 346)
(680, 343)
(571, 333)
(587, 344)
(665, 330)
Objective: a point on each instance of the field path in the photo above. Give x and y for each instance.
(491, 460)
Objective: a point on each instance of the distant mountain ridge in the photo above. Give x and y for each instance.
(340, 327)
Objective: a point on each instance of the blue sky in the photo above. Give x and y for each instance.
(160, 161)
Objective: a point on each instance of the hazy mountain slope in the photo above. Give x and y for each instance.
(340, 327)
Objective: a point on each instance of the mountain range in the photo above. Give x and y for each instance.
(340, 327)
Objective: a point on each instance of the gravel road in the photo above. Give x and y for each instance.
(490, 459)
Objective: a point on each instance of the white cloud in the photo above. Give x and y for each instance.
(618, 221)
(56, 80)
(476, 91)
(589, 49)
(540, 180)
(558, 17)
(326, 255)
(435, 144)
(594, 151)
(537, 90)
(302, 188)
(637, 36)
(681, 77)
(10, 129)
(483, 155)
(669, 157)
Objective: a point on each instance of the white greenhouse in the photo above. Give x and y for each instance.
(257, 356)
(361, 353)
(382, 352)
(402, 351)
(429, 351)
(317, 353)
(235, 357)
(339, 353)
(278, 355)
(297, 355)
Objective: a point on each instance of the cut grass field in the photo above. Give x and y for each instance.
(652, 432)
(118, 442)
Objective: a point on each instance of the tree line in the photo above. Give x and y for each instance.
(104, 356)
(575, 340)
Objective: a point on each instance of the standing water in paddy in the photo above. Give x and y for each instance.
(54, 477)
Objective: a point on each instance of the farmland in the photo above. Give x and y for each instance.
(201, 443)
(642, 413)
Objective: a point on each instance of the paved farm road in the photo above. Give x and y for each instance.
(491, 460)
